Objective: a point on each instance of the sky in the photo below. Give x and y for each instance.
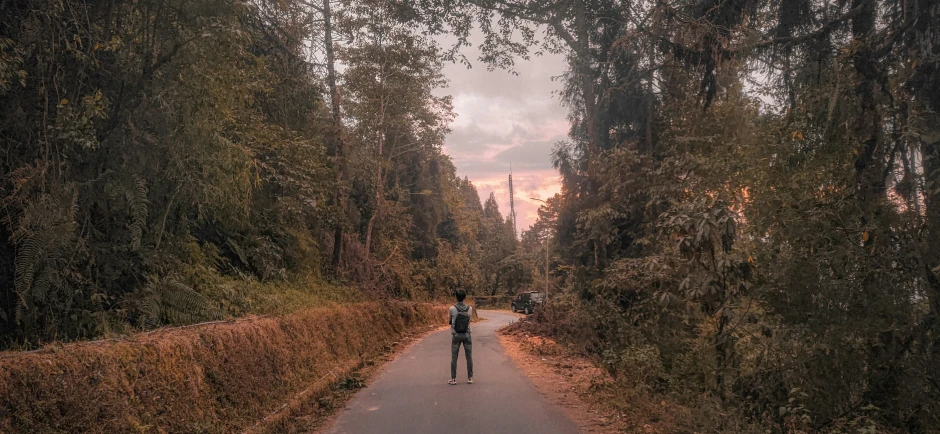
(505, 119)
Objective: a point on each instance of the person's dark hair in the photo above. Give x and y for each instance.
(461, 294)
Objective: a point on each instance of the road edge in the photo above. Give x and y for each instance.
(324, 423)
(545, 372)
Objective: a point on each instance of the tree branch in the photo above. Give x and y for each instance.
(826, 28)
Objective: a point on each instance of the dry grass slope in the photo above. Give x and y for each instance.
(223, 377)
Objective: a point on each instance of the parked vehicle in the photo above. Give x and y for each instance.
(526, 302)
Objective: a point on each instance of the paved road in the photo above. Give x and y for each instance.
(412, 394)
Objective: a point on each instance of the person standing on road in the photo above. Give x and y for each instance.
(460, 334)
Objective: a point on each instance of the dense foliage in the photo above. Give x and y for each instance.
(169, 162)
(750, 211)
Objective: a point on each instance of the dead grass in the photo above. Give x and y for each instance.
(563, 379)
(221, 377)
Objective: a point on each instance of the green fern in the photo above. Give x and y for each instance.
(169, 302)
(28, 256)
(44, 237)
(237, 249)
(137, 199)
(46, 283)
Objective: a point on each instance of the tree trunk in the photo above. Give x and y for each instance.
(649, 105)
(931, 160)
(591, 118)
(339, 146)
(586, 73)
(722, 356)
(868, 168)
(379, 159)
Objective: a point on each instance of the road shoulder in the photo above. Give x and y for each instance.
(563, 378)
(331, 405)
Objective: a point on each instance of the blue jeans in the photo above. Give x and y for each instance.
(461, 338)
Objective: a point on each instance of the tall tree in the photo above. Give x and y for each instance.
(339, 145)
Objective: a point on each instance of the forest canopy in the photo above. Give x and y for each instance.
(169, 162)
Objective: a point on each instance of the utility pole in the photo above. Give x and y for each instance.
(546, 268)
(512, 205)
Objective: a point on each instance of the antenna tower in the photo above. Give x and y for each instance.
(512, 205)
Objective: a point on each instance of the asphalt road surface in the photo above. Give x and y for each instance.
(411, 395)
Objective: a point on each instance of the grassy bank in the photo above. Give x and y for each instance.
(220, 377)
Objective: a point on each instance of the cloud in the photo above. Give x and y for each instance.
(538, 184)
(505, 119)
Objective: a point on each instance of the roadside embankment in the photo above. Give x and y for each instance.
(221, 377)
(603, 400)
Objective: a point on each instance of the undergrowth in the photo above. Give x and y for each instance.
(632, 394)
(667, 387)
(288, 297)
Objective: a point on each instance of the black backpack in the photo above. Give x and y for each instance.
(462, 320)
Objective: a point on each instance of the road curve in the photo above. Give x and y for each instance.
(411, 395)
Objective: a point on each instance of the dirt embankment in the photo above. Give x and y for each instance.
(244, 375)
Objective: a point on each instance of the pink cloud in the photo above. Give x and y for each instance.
(539, 184)
(504, 119)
